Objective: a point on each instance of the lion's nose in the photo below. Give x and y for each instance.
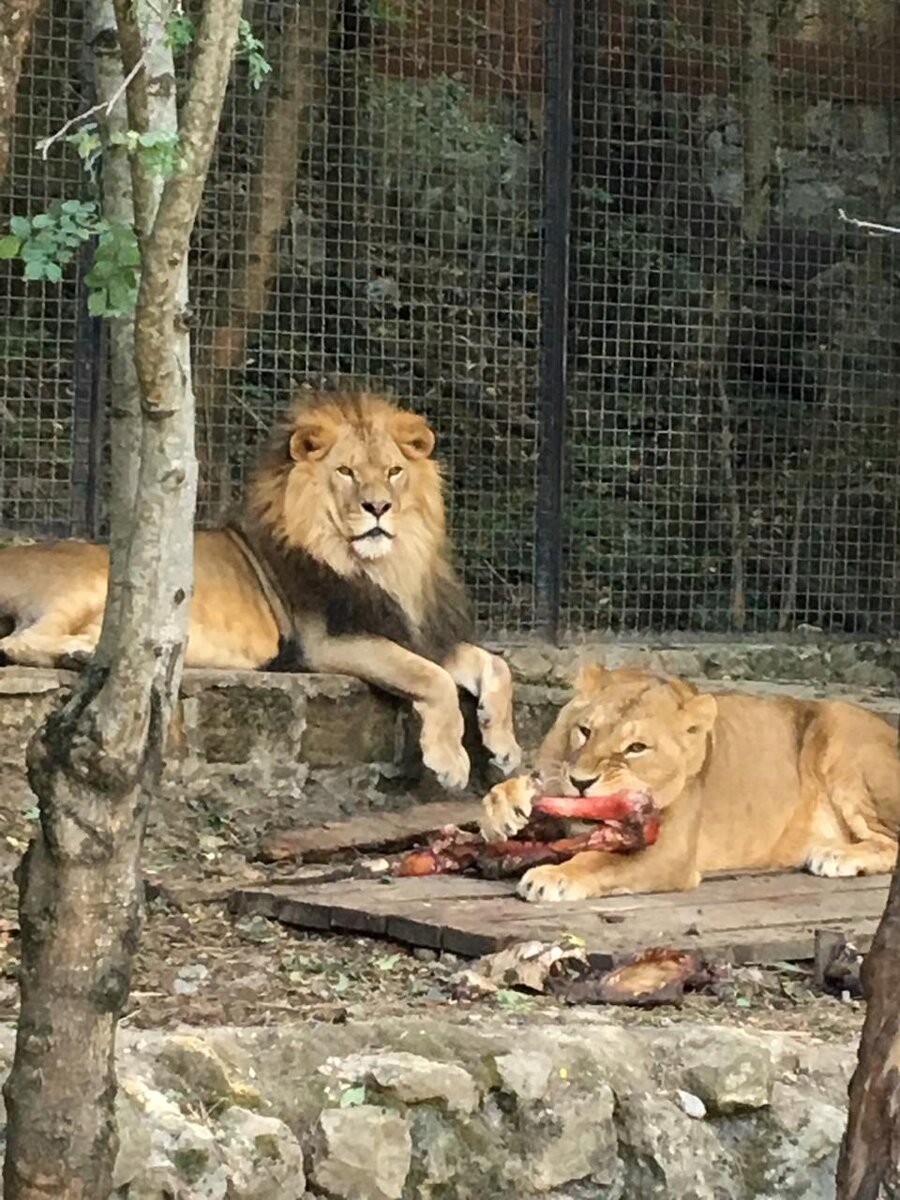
(582, 785)
(376, 507)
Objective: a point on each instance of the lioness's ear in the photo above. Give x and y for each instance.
(700, 713)
(312, 438)
(590, 677)
(412, 434)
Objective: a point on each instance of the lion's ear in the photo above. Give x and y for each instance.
(700, 713)
(312, 438)
(412, 434)
(590, 678)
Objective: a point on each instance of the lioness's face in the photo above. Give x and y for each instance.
(366, 477)
(632, 730)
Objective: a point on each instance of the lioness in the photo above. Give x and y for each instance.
(339, 563)
(742, 781)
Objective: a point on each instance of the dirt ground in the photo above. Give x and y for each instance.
(199, 966)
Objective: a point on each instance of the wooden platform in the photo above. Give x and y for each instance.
(739, 917)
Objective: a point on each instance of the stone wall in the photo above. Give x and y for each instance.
(429, 1110)
(252, 751)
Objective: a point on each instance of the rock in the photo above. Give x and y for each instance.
(180, 1157)
(361, 1153)
(666, 1154)
(263, 1158)
(524, 1074)
(731, 1077)
(409, 1077)
(204, 1073)
(584, 1145)
(801, 1157)
(691, 1105)
(135, 1143)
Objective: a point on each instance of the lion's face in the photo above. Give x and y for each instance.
(360, 487)
(629, 729)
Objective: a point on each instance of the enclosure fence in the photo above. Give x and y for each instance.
(599, 245)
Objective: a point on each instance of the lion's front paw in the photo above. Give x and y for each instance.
(505, 751)
(450, 764)
(549, 884)
(507, 808)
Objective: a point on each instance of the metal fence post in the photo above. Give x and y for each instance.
(558, 59)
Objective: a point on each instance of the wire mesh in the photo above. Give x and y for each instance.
(733, 431)
(45, 396)
(378, 212)
(373, 216)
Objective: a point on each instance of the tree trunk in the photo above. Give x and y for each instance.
(16, 20)
(297, 79)
(869, 1165)
(759, 112)
(95, 764)
(118, 206)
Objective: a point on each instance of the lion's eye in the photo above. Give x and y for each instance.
(347, 472)
(585, 731)
(394, 472)
(635, 748)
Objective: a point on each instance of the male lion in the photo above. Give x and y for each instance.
(742, 781)
(339, 563)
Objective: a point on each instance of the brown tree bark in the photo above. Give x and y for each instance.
(16, 20)
(95, 764)
(297, 79)
(869, 1165)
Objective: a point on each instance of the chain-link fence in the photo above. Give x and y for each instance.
(599, 245)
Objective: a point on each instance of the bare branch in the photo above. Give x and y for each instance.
(105, 106)
(873, 228)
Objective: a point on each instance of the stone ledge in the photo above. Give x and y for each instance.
(569, 1108)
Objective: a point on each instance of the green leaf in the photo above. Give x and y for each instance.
(41, 221)
(34, 269)
(53, 272)
(352, 1097)
(179, 32)
(10, 246)
(97, 306)
(20, 226)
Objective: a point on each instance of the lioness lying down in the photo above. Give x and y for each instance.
(742, 781)
(339, 563)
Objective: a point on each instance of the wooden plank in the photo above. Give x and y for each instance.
(369, 831)
(762, 917)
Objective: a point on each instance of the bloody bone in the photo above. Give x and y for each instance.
(616, 806)
(626, 822)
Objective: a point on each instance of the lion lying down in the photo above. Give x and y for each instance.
(741, 781)
(339, 563)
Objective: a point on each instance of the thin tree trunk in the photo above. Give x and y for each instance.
(118, 206)
(298, 77)
(869, 1164)
(16, 20)
(759, 112)
(95, 764)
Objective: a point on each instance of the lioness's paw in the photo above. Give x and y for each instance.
(836, 862)
(550, 884)
(507, 808)
(450, 765)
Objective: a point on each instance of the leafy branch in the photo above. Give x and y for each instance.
(49, 241)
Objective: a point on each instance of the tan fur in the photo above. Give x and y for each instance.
(743, 781)
(341, 468)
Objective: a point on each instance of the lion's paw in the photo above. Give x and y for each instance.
(552, 884)
(507, 808)
(505, 751)
(450, 765)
